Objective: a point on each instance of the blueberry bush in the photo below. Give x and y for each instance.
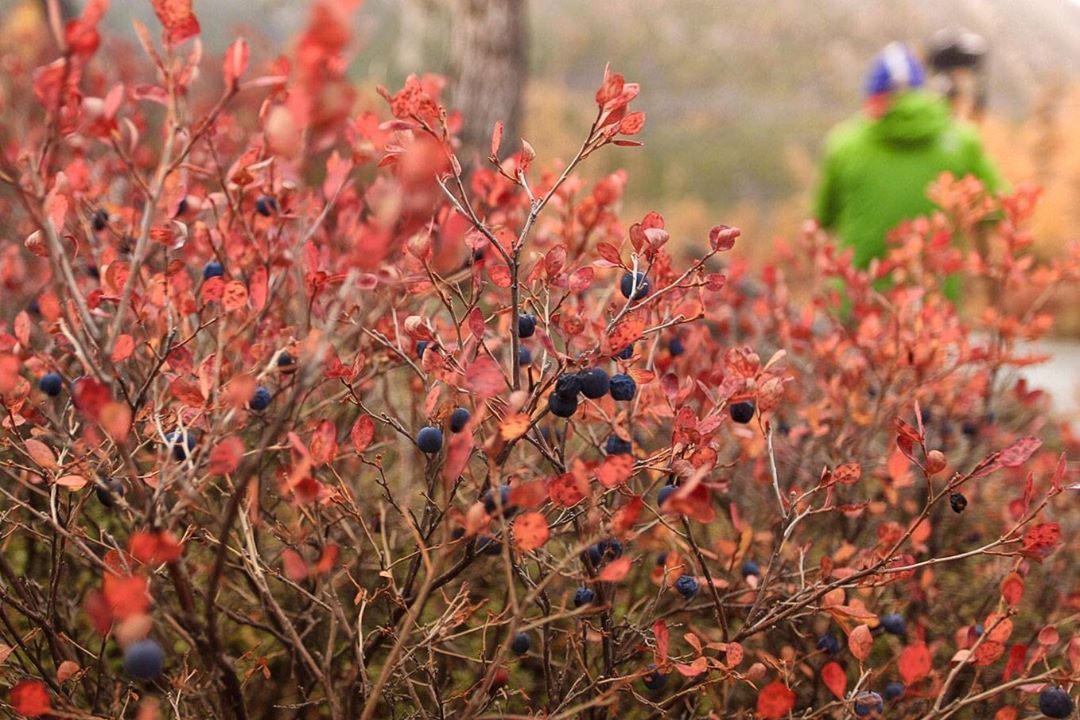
(306, 416)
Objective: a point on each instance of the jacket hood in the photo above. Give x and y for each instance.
(913, 117)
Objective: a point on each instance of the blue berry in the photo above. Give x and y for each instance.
(504, 499)
(742, 412)
(1055, 703)
(957, 502)
(978, 630)
(524, 356)
(181, 444)
(526, 325)
(687, 586)
(100, 220)
(429, 439)
(51, 384)
(654, 679)
(595, 383)
(894, 623)
(285, 360)
(489, 546)
(676, 347)
(868, 702)
(459, 419)
(265, 205)
(615, 445)
(568, 385)
(828, 643)
(661, 559)
(144, 660)
(421, 346)
(583, 596)
(108, 491)
(213, 269)
(894, 690)
(260, 400)
(561, 405)
(626, 353)
(749, 567)
(521, 643)
(623, 387)
(634, 286)
(664, 493)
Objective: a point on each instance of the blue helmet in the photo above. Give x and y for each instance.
(894, 68)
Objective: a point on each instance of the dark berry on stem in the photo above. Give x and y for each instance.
(687, 586)
(429, 439)
(144, 660)
(260, 400)
(595, 383)
(526, 325)
(108, 491)
(615, 445)
(654, 679)
(868, 702)
(265, 205)
(561, 405)
(583, 596)
(957, 502)
(749, 567)
(459, 419)
(623, 387)
(742, 412)
(568, 385)
(894, 690)
(1055, 703)
(51, 384)
(521, 643)
(894, 623)
(634, 286)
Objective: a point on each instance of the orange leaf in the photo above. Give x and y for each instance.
(514, 426)
(530, 531)
(615, 570)
(615, 470)
(914, 663)
(115, 419)
(362, 433)
(72, 482)
(663, 641)
(835, 679)
(125, 345)
(567, 490)
(236, 61)
(126, 595)
(30, 698)
(41, 454)
(295, 567)
(626, 333)
(775, 700)
(484, 377)
(226, 455)
(66, 671)
(860, 642)
(235, 296)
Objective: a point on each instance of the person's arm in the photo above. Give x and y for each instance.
(827, 199)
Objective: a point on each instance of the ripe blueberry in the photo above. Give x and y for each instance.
(687, 586)
(634, 286)
(894, 623)
(623, 387)
(459, 419)
(595, 383)
(489, 546)
(562, 405)
(568, 385)
(665, 492)
(749, 567)
(742, 412)
(828, 643)
(51, 384)
(654, 679)
(265, 205)
(1055, 703)
(957, 502)
(626, 353)
(504, 499)
(144, 660)
(615, 445)
(108, 491)
(583, 596)
(526, 325)
(260, 400)
(524, 356)
(285, 360)
(868, 702)
(894, 690)
(100, 220)
(181, 444)
(676, 347)
(421, 346)
(429, 439)
(213, 269)
(521, 643)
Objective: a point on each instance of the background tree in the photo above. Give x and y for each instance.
(487, 69)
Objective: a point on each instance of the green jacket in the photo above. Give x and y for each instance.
(876, 171)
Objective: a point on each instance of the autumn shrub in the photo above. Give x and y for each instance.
(305, 416)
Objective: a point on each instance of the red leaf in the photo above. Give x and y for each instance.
(41, 454)
(615, 570)
(914, 663)
(609, 252)
(123, 348)
(580, 279)
(615, 470)
(126, 595)
(722, 237)
(624, 518)
(484, 377)
(89, 395)
(775, 700)
(1012, 588)
(530, 531)
(632, 124)
(496, 139)
(567, 490)
(154, 548)
(1018, 453)
(30, 698)
(226, 455)
(626, 333)
(988, 653)
(324, 444)
(1041, 540)
(259, 288)
(693, 669)
(1015, 663)
(663, 641)
(362, 433)
(235, 296)
(457, 455)
(179, 20)
(835, 679)
(296, 569)
(236, 61)
(848, 473)
(861, 642)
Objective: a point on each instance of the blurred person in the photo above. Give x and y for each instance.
(877, 165)
(957, 61)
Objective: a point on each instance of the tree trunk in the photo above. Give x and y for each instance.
(487, 71)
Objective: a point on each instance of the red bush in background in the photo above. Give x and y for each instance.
(317, 445)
